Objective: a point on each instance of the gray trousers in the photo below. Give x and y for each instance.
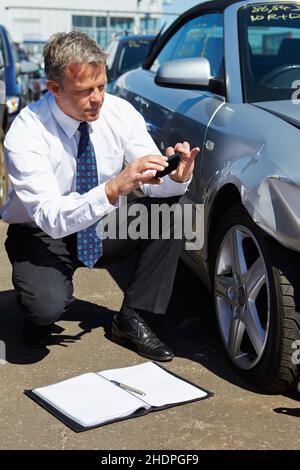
(43, 268)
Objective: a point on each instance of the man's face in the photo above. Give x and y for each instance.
(81, 93)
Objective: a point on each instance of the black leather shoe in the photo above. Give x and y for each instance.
(129, 329)
(36, 336)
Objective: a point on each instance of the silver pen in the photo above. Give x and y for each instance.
(128, 387)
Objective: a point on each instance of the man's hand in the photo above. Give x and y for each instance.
(186, 166)
(140, 171)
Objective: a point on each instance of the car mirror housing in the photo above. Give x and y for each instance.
(185, 73)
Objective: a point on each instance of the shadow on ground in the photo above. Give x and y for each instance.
(89, 315)
(189, 326)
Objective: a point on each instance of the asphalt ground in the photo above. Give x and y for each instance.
(238, 416)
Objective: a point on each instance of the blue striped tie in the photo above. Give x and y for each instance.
(89, 245)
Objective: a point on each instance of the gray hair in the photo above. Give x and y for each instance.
(70, 48)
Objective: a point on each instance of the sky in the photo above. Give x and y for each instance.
(178, 6)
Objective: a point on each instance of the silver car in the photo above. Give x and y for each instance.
(226, 76)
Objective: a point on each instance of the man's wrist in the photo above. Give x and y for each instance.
(111, 190)
(185, 180)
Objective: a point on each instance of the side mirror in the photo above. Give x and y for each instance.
(28, 67)
(185, 73)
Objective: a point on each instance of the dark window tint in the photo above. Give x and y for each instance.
(133, 54)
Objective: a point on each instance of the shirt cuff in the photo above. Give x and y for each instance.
(100, 204)
(174, 187)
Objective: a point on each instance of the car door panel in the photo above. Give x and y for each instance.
(172, 115)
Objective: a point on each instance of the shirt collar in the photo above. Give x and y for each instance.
(68, 124)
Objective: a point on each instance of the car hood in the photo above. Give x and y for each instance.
(287, 110)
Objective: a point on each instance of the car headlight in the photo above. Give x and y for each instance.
(12, 104)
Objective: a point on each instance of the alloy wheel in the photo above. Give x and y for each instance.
(242, 297)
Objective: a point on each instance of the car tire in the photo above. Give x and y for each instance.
(256, 285)
(3, 177)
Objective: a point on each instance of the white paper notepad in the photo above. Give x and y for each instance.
(92, 399)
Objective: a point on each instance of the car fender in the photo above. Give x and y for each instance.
(257, 152)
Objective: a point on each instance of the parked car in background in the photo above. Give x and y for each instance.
(37, 84)
(126, 53)
(34, 49)
(225, 77)
(16, 75)
(3, 126)
(37, 81)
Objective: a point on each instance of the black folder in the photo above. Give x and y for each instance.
(99, 398)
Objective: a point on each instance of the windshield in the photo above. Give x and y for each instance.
(270, 50)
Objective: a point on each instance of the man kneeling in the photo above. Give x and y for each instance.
(70, 157)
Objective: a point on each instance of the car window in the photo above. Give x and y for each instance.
(111, 51)
(1, 59)
(200, 37)
(269, 50)
(132, 55)
(203, 37)
(2, 49)
(166, 53)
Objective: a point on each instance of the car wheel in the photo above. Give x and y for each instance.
(3, 177)
(256, 291)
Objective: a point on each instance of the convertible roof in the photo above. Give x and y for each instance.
(215, 4)
(219, 4)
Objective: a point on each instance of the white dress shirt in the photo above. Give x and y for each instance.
(41, 152)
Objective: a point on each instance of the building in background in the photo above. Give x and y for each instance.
(32, 22)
